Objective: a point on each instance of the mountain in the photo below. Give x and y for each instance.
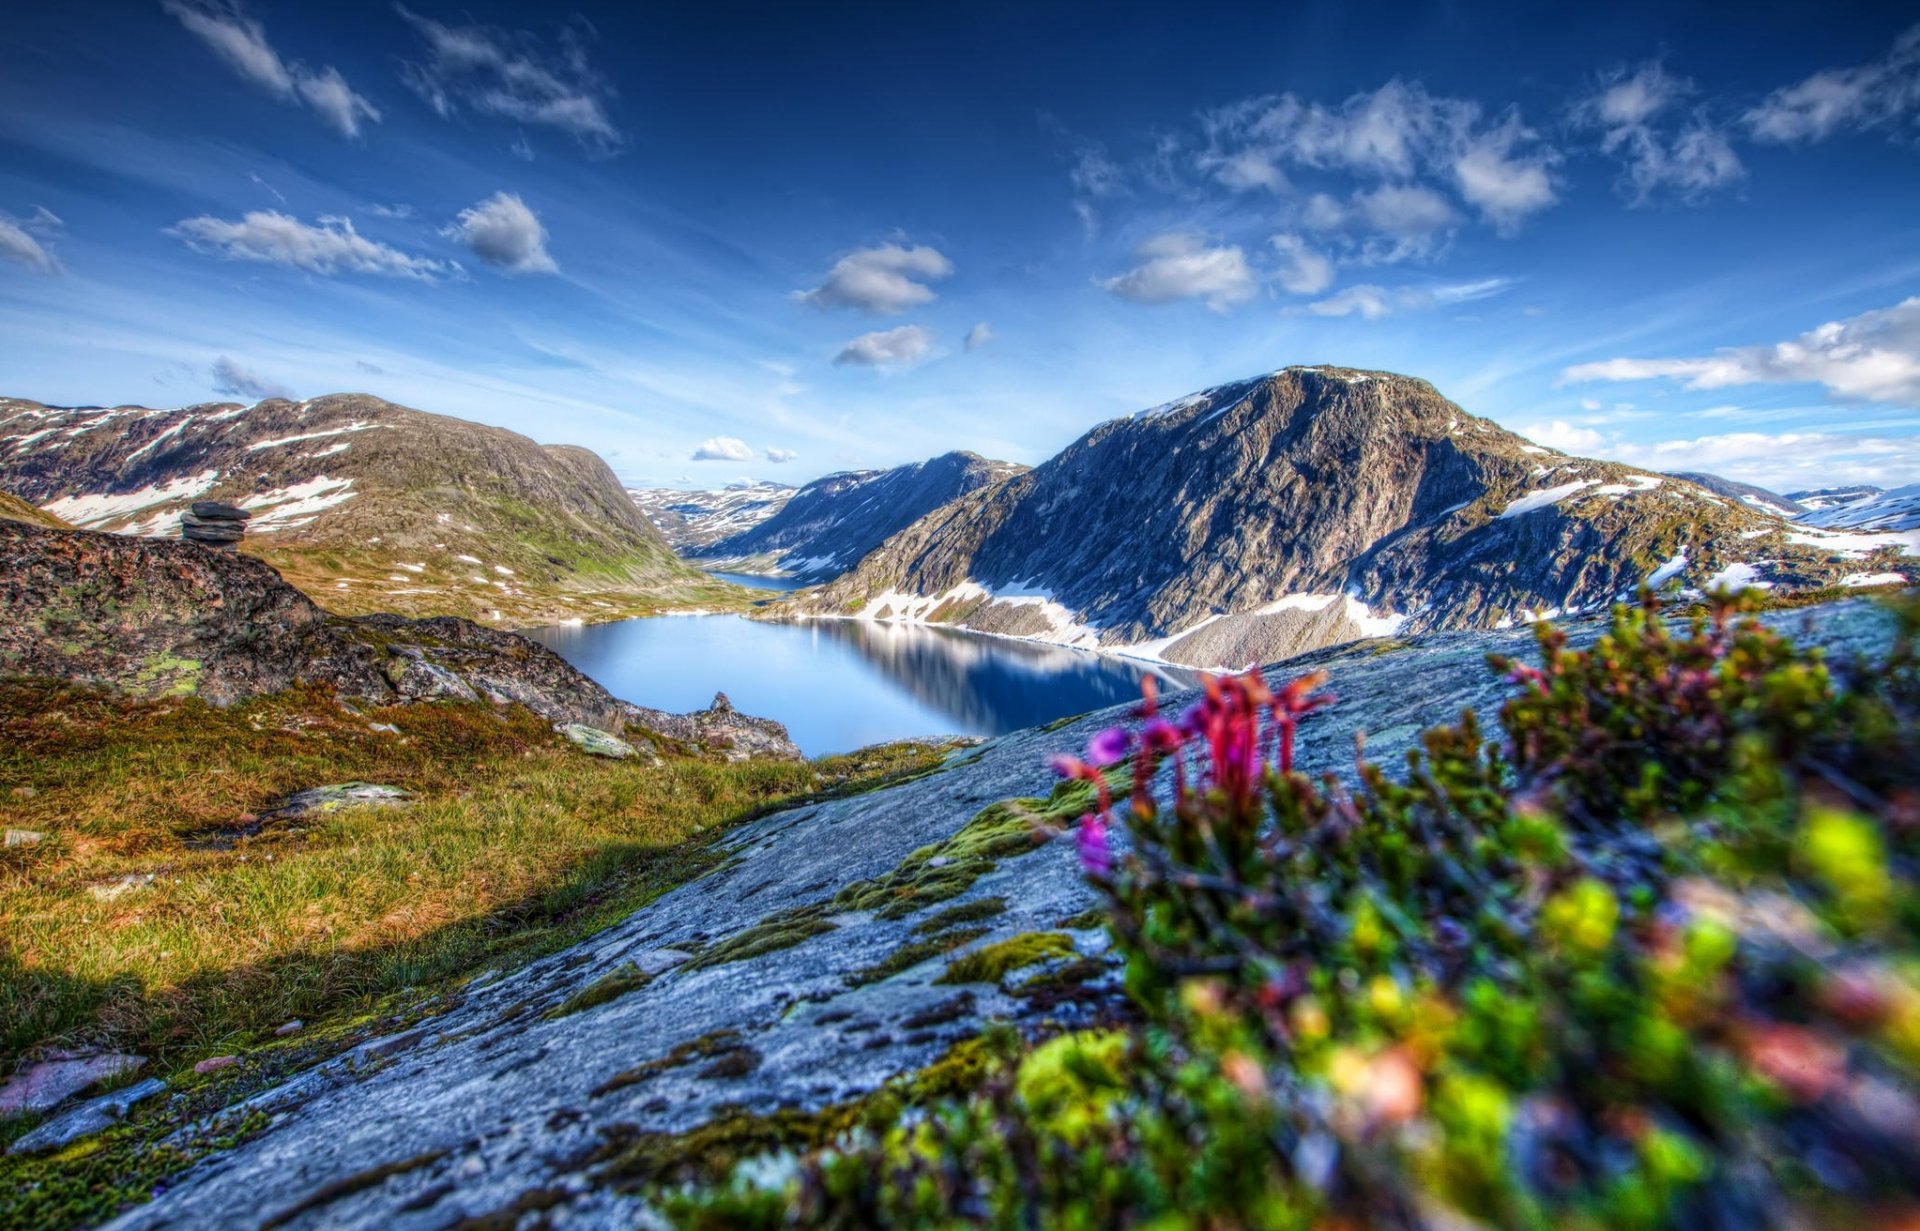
(366, 505)
(1746, 493)
(828, 525)
(1312, 506)
(692, 520)
(1898, 509)
(1827, 497)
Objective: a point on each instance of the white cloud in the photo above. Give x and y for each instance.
(1687, 156)
(512, 75)
(1505, 186)
(1872, 95)
(329, 248)
(234, 380)
(1181, 265)
(781, 456)
(241, 41)
(1413, 219)
(1872, 357)
(1559, 434)
(978, 336)
(1303, 270)
(901, 347)
(505, 234)
(1373, 302)
(884, 280)
(1399, 135)
(723, 449)
(1786, 461)
(23, 242)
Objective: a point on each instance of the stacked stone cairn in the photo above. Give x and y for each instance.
(215, 524)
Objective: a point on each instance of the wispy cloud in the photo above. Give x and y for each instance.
(236, 380)
(330, 247)
(502, 232)
(979, 336)
(241, 43)
(887, 348)
(1183, 265)
(1878, 94)
(1664, 146)
(1872, 357)
(781, 457)
(24, 241)
(884, 280)
(513, 75)
(1373, 302)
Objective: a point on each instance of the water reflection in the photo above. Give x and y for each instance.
(841, 684)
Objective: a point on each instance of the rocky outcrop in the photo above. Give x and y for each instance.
(811, 980)
(827, 526)
(152, 617)
(1309, 506)
(364, 504)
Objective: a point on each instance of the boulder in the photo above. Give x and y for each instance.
(45, 1085)
(93, 1116)
(595, 741)
(320, 800)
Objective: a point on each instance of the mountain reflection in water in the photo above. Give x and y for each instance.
(842, 684)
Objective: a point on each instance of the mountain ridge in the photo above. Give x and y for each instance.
(363, 503)
(1307, 506)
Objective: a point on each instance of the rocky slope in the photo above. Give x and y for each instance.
(155, 617)
(1898, 509)
(526, 1098)
(1313, 506)
(1746, 493)
(366, 505)
(827, 526)
(690, 521)
(1828, 497)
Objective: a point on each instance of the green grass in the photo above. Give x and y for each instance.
(514, 845)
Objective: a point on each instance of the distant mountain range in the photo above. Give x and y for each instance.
(822, 529)
(365, 505)
(1827, 497)
(1311, 506)
(1898, 509)
(1746, 493)
(692, 520)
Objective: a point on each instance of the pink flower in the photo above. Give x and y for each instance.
(1110, 747)
(1091, 841)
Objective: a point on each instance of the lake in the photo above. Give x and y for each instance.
(843, 684)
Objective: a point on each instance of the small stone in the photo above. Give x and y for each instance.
(721, 705)
(214, 1064)
(24, 792)
(324, 799)
(385, 727)
(44, 1086)
(93, 1116)
(215, 510)
(293, 1027)
(24, 837)
(107, 891)
(594, 741)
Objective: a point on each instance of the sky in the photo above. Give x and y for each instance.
(725, 241)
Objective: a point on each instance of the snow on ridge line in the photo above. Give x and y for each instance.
(286, 508)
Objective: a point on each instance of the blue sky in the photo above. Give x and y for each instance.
(719, 241)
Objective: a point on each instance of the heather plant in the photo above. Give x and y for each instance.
(1647, 961)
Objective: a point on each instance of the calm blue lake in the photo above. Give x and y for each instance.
(843, 684)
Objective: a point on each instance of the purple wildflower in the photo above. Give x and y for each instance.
(1091, 841)
(1110, 747)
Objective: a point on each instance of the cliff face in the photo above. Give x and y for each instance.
(367, 505)
(1307, 507)
(825, 528)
